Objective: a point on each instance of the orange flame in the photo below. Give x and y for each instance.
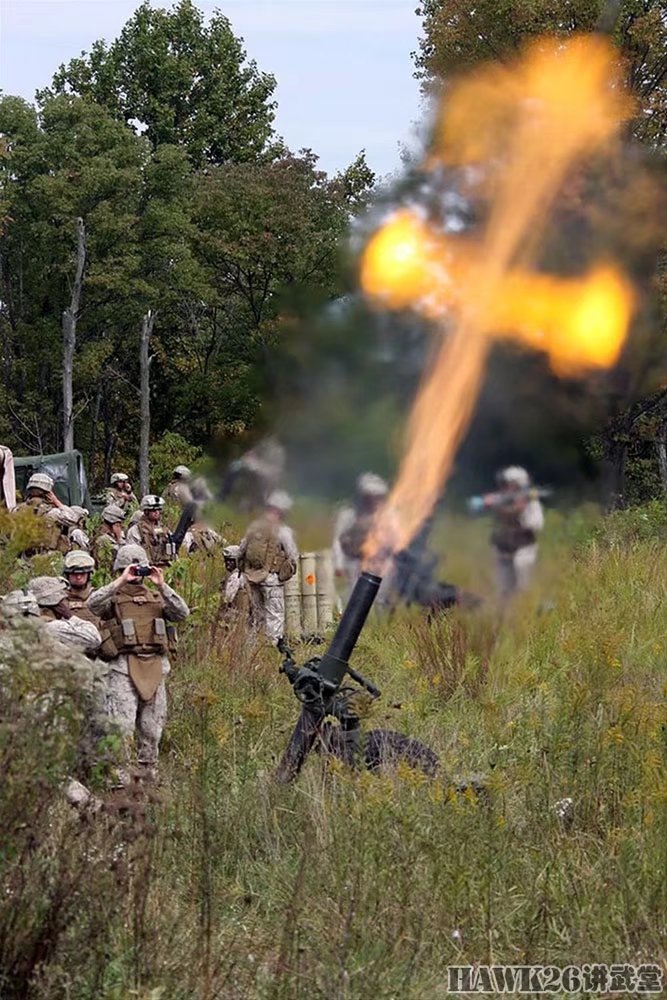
(526, 126)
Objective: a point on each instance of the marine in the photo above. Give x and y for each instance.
(58, 517)
(109, 538)
(178, 489)
(269, 557)
(353, 524)
(137, 650)
(60, 621)
(120, 492)
(149, 533)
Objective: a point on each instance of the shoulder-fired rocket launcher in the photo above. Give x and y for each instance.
(503, 498)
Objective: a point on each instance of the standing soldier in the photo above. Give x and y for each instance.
(119, 491)
(269, 558)
(236, 593)
(110, 537)
(519, 518)
(61, 622)
(178, 490)
(59, 518)
(149, 533)
(137, 648)
(353, 524)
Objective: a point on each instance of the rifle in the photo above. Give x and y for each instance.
(503, 498)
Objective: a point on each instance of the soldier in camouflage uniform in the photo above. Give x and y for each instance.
(60, 622)
(137, 647)
(78, 570)
(178, 489)
(110, 537)
(119, 492)
(352, 527)
(518, 523)
(44, 503)
(149, 533)
(269, 557)
(78, 536)
(236, 591)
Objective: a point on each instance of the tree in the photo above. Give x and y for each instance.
(457, 35)
(180, 82)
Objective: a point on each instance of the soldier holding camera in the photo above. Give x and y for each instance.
(137, 639)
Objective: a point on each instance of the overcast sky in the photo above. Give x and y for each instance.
(343, 67)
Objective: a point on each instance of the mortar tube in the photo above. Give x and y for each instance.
(333, 664)
(332, 669)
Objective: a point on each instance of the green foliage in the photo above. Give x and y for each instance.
(203, 218)
(171, 450)
(186, 82)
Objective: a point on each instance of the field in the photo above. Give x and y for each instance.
(223, 884)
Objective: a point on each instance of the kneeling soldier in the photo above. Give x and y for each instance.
(136, 644)
(62, 623)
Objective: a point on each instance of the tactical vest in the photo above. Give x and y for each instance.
(135, 626)
(171, 494)
(203, 539)
(353, 538)
(55, 535)
(155, 543)
(265, 554)
(76, 600)
(509, 535)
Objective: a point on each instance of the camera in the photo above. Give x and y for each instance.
(142, 570)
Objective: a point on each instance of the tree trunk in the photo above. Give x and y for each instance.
(70, 316)
(145, 391)
(614, 475)
(661, 450)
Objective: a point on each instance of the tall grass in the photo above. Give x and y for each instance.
(350, 885)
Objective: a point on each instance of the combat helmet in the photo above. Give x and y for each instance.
(118, 477)
(48, 590)
(40, 481)
(151, 502)
(182, 472)
(130, 555)
(279, 500)
(369, 484)
(19, 602)
(113, 514)
(78, 561)
(514, 475)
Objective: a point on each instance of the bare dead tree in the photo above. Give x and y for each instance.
(145, 360)
(70, 317)
(661, 452)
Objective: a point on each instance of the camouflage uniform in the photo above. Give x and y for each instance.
(269, 556)
(62, 519)
(352, 526)
(150, 535)
(50, 592)
(115, 494)
(178, 490)
(144, 713)
(106, 543)
(514, 537)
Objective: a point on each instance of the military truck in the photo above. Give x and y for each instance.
(67, 470)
